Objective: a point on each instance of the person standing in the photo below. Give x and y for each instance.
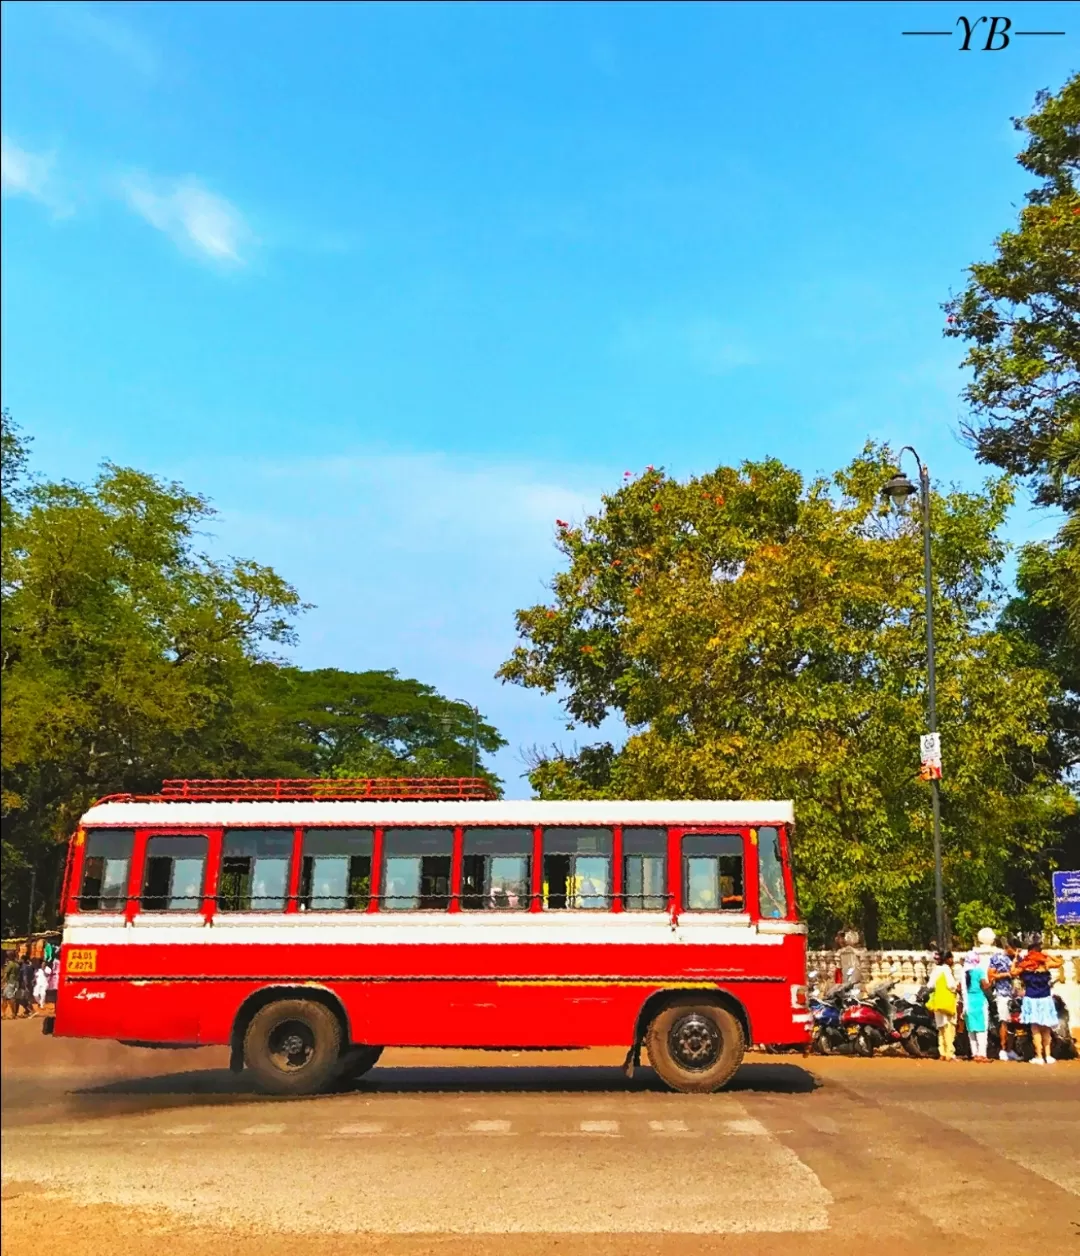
(1038, 1010)
(11, 983)
(999, 973)
(54, 979)
(942, 1002)
(24, 991)
(41, 985)
(976, 1008)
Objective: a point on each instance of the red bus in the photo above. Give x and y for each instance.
(307, 925)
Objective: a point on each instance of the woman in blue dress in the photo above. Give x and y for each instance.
(976, 1008)
(1038, 1009)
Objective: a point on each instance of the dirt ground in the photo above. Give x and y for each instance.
(110, 1149)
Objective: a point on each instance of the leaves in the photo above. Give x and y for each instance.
(128, 656)
(1021, 317)
(764, 636)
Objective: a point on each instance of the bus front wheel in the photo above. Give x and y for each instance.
(293, 1047)
(695, 1048)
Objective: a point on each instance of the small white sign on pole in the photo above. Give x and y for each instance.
(930, 754)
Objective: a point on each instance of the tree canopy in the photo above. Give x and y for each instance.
(129, 656)
(1020, 315)
(762, 637)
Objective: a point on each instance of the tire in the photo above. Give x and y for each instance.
(293, 1047)
(357, 1061)
(1062, 1046)
(695, 1047)
(821, 1043)
(922, 1043)
(862, 1046)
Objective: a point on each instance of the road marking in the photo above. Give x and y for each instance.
(669, 1127)
(357, 1131)
(183, 1130)
(489, 1127)
(256, 1130)
(599, 1127)
(747, 1126)
(823, 1124)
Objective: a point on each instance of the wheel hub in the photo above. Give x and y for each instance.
(292, 1045)
(695, 1042)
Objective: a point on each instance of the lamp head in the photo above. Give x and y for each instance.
(898, 489)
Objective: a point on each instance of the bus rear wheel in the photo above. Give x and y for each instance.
(695, 1048)
(293, 1047)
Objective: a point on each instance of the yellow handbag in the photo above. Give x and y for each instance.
(942, 999)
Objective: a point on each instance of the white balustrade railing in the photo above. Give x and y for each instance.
(910, 969)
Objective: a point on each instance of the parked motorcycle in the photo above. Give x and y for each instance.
(827, 1009)
(869, 1023)
(1062, 1046)
(916, 1026)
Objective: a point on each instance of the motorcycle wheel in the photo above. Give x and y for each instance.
(862, 1046)
(822, 1044)
(1062, 1046)
(921, 1043)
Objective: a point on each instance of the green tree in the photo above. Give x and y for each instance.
(1020, 315)
(129, 656)
(763, 637)
(378, 723)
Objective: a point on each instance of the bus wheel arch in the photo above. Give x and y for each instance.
(255, 1003)
(695, 1039)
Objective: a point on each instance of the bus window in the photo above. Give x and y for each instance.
(105, 869)
(255, 869)
(577, 868)
(495, 869)
(713, 872)
(772, 893)
(416, 869)
(645, 869)
(336, 872)
(174, 874)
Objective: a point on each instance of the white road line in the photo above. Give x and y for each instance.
(489, 1127)
(747, 1126)
(256, 1130)
(823, 1124)
(668, 1127)
(599, 1127)
(358, 1131)
(181, 1131)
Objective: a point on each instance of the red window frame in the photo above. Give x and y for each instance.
(748, 834)
(215, 836)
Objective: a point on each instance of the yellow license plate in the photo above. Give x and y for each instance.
(81, 959)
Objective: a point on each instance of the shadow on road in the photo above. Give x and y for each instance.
(198, 1084)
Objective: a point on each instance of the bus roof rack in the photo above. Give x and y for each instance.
(321, 789)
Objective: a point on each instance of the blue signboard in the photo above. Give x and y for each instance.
(1067, 898)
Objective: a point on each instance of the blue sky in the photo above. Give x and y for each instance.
(399, 285)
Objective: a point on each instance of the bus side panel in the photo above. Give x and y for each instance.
(506, 994)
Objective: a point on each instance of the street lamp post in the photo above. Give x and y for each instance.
(475, 732)
(898, 490)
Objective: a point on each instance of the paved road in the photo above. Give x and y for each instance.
(560, 1153)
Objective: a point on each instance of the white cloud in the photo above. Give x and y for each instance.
(193, 217)
(413, 560)
(434, 503)
(23, 173)
(91, 25)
